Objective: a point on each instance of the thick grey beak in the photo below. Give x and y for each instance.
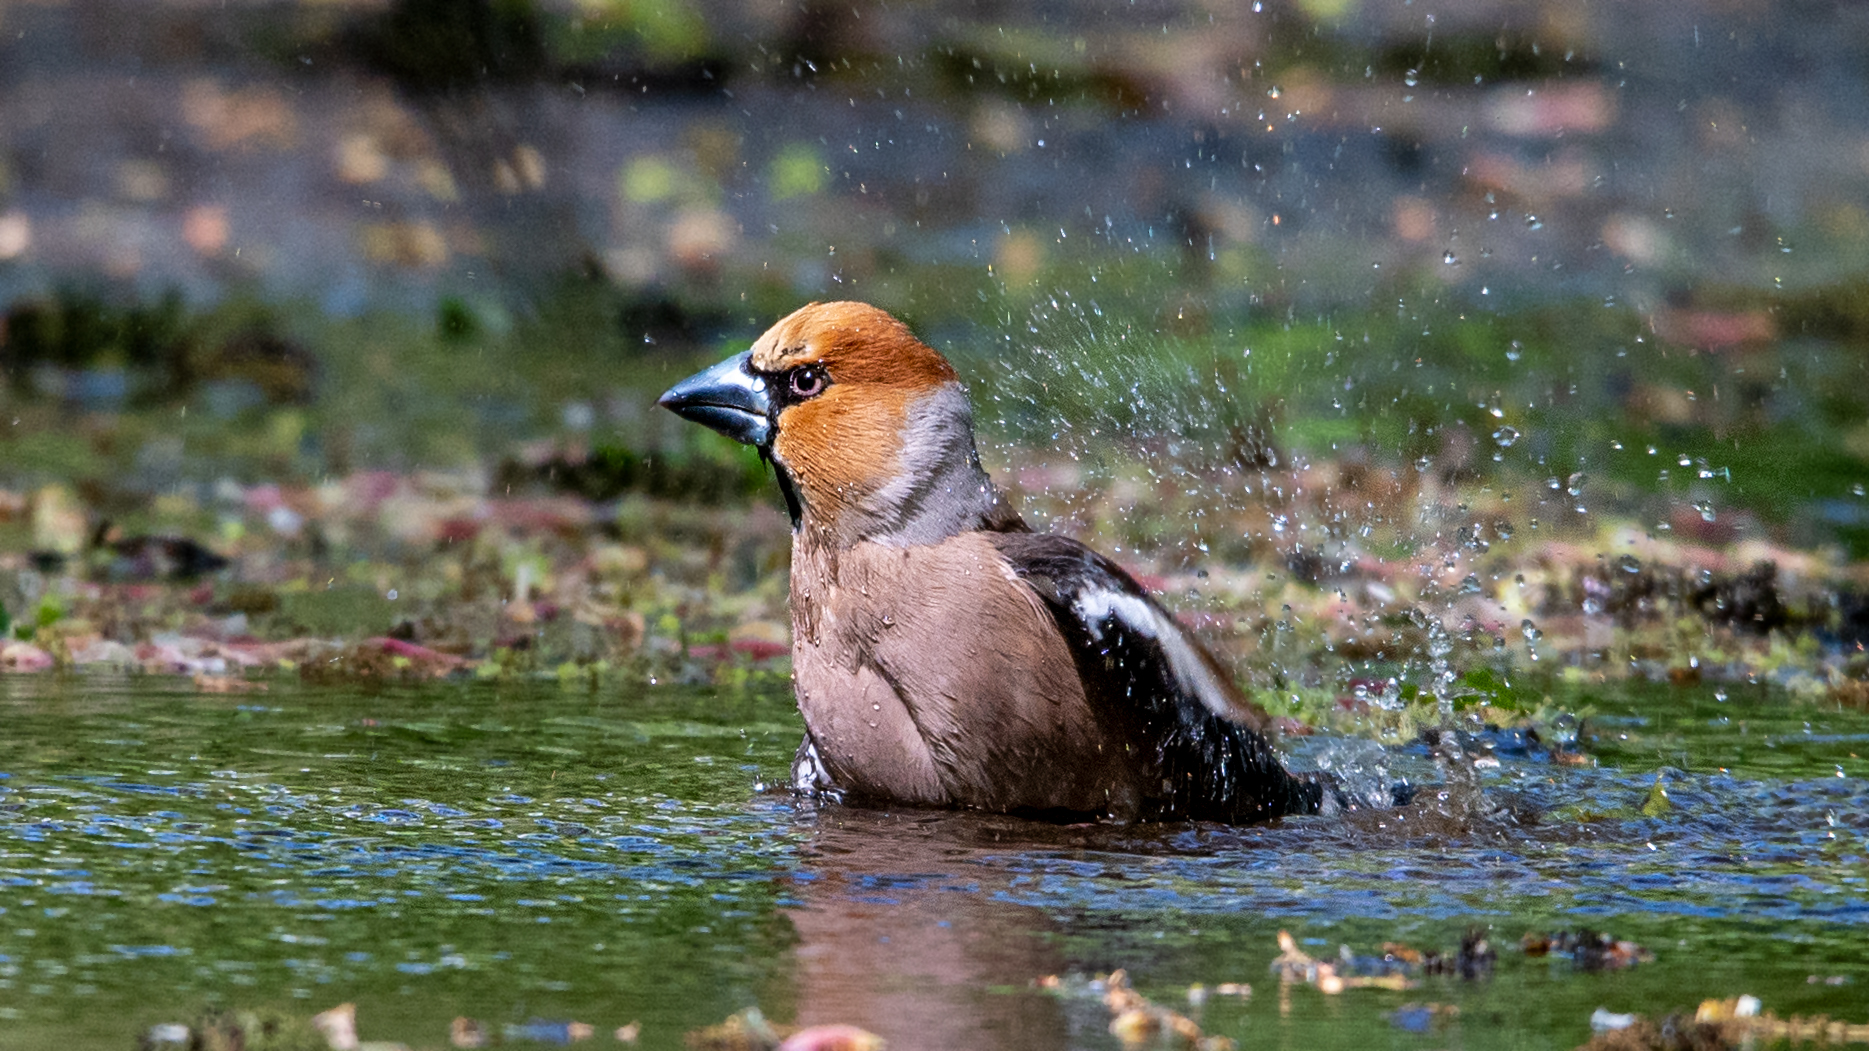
(728, 397)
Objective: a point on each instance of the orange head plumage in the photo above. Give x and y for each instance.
(868, 426)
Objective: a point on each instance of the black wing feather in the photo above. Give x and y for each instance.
(1200, 763)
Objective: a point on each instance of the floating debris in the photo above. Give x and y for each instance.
(467, 1033)
(338, 1025)
(746, 1030)
(213, 1030)
(1602, 1020)
(1136, 1021)
(550, 1031)
(1199, 992)
(1471, 962)
(749, 1030)
(1657, 803)
(1296, 967)
(1588, 950)
(165, 1033)
(1292, 964)
(1717, 1025)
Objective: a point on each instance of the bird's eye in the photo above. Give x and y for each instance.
(807, 381)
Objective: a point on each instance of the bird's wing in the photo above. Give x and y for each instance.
(1159, 686)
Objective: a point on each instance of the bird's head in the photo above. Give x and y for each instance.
(868, 427)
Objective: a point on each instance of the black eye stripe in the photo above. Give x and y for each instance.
(798, 383)
(789, 386)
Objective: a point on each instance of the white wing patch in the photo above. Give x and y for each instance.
(1146, 619)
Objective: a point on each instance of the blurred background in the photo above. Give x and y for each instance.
(265, 262)
(1477, 378)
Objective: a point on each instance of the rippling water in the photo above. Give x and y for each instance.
(522, 851)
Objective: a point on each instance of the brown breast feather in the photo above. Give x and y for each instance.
(975, 671)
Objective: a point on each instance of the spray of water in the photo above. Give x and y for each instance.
(1109, 405)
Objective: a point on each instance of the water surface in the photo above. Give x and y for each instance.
(521, 851)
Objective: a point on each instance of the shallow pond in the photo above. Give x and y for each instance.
(521, 851)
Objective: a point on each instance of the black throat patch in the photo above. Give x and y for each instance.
(792, 505)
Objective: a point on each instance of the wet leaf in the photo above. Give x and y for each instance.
(1657, 803)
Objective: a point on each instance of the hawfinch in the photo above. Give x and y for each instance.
(944, 654)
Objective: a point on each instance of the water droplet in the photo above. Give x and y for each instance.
(1505, 436)
(1574, 485)
(1629, 564)
(1530, 631)
(1274, 91)
(1532, 222)
(1471, 585)
(392, 595)
(1857, 489)
(1450, 259)
(1412, 77)
(1515, 350)
(1705, 507)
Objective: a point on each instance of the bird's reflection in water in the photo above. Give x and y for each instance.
(910, 924)
(906, 929)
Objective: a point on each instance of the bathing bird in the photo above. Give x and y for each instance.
(944, 654)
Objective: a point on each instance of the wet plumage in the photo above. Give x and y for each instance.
(945, 655)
